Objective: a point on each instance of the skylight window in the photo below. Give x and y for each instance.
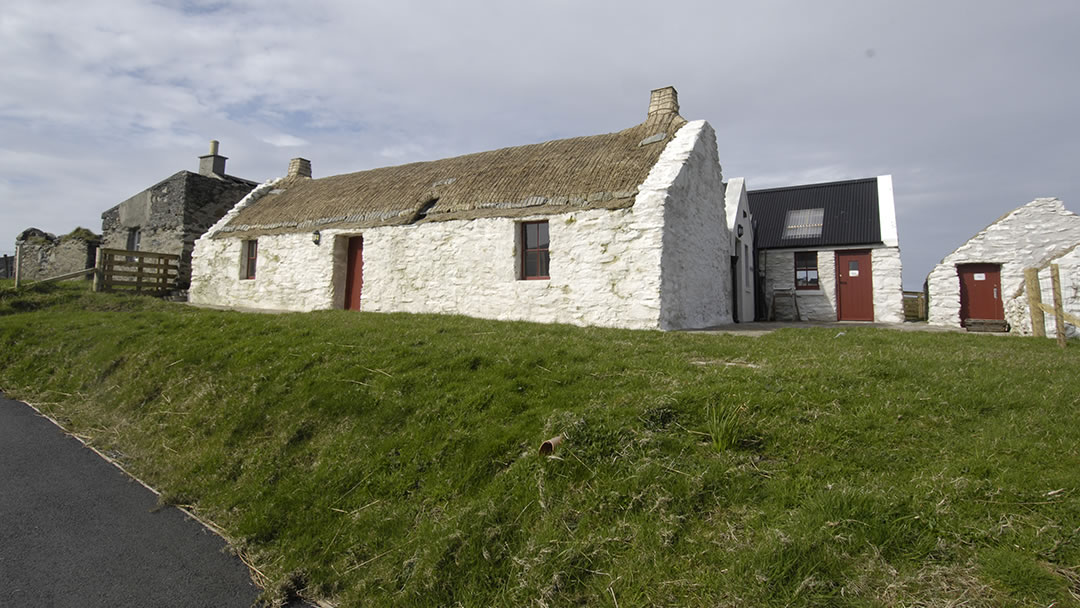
(803, 223)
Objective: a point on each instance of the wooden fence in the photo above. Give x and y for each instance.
(138, 271)
(1039, 310)
(914, 306)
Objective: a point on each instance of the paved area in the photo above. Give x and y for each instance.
(77, 531)
(760, 328)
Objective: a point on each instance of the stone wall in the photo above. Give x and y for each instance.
(43, 255)
(172, 214)
(605, 264)
(820, 304)
(695, 265)
(1024, 238)
(888, 285)
(457, 267)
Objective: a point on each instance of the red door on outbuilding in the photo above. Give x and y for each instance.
(854, 286)
(354, 277)
(980, 292)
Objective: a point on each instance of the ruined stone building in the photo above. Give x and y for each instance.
(43, 255)
(170, 215)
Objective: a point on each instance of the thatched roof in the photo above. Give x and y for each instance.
(595, 172)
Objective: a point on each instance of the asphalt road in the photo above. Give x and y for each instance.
(77, 531)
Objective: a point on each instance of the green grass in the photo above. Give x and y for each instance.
(391, 459)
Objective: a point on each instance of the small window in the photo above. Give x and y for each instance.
(803, 223)
(806, 275)
(134, 238)
(251, 254)
(534, 250)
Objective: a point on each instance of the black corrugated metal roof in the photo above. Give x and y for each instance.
(851, 213)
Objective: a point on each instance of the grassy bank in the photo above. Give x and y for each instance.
(391, 459)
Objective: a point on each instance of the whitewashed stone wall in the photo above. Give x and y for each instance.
(1024, 238)
(820, 304)
(605, 265)
(688, 185)
(1016, 308)
(737, 207)
(888, 285)
(604, 270)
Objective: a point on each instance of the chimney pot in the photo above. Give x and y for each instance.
(299, 167)
(212, 164)
(663, 101)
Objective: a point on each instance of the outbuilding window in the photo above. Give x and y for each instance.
(534, 250)
(806, 273)
(251, 254)
(803, 223)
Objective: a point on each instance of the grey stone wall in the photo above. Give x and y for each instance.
(172, 214)
(43, 255)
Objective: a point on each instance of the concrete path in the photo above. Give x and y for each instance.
(77, 531)
(761, 328)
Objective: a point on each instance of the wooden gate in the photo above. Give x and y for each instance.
(138, 271)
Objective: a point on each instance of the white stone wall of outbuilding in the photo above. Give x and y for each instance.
(888, 285)
(1024, 238)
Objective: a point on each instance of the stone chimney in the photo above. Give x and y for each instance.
(299, 167)
(663, 102)
(212, 164)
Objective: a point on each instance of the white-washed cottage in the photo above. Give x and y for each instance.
(828, 252)
(626, 229)
(983, 280)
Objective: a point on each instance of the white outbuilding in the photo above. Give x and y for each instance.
(982, 282)
(626, 229)
(828, 252)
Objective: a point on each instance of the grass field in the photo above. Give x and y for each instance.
(391, 459)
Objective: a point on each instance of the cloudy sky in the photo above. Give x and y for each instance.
(971, 106)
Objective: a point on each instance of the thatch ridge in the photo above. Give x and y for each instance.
(591, 172)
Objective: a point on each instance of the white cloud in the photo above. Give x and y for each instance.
(284, 140)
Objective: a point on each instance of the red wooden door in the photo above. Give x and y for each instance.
(354, 277)
(854, 286)
(980, 292)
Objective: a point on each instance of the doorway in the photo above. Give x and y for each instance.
(980, 292)
(854, 286)
(354, 276)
